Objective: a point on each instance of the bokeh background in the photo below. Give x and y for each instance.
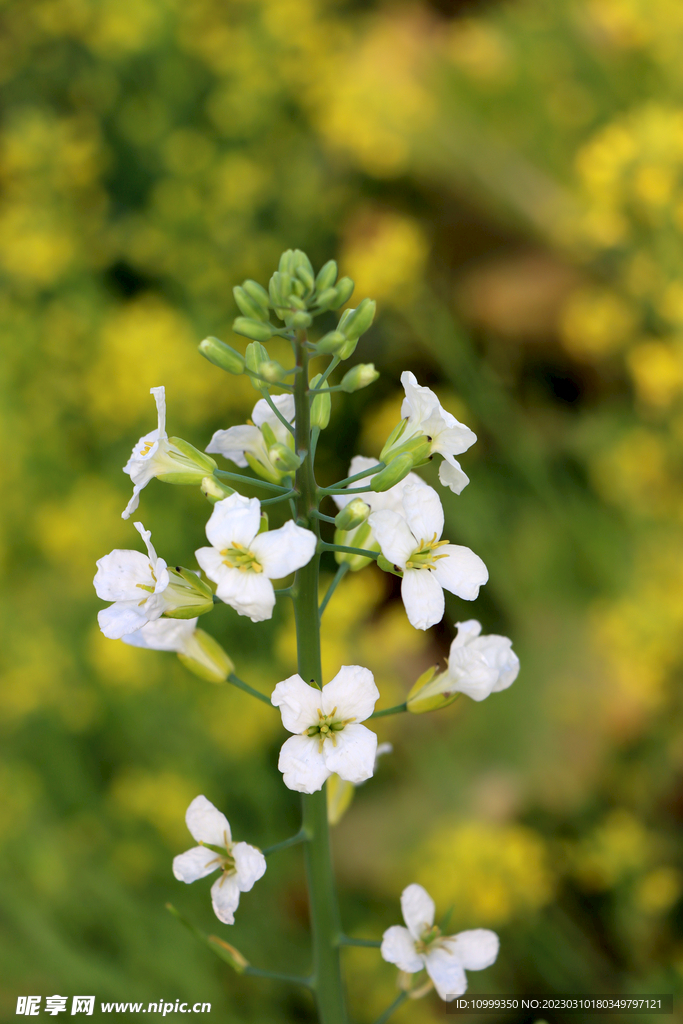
(507, 180)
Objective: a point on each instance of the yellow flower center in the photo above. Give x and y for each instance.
(239, 557)
(326, 727)
(223, 859)
(423, 557)
(428, 939)
(148, 447)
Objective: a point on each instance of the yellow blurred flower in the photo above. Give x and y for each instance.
(657, 370)
(617, 848)
(658, 890)
(596, 322)
(385, 253)
(160, 798)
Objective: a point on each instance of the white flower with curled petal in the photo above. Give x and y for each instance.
(242, 561)
(136, 583)
(481, 665)
(446, 957)
(240, 864)
(249, 444)
(446, 436)
(329, 738)
(411, 542)
(157, 455)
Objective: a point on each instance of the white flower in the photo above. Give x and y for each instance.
(198, 651)
(249, 444)
(163, 635)
(480, 665)
(423, 415)
(329, 738)
(446, 957)
(411, 542)
(137, 585)
(243, 561)
(241, 864)
(172, 459)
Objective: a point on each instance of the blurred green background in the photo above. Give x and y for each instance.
(507, 180)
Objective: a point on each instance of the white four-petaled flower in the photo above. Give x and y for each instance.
(250, 443)
(243, 561)
(411, 542)
(136, 583)
(240, 864)
(480, 665)
(328, 736)
(446, 957)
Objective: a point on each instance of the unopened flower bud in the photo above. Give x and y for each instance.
(343, 292)
(257, 292)
(356, 321)
(279, 287)
(340, 793)
(220, 354)
(397, 469)
(286, 264)
(352, 515)
(283, 458)
(359, 377)
(205, 657)
(182, 463)
(326, 297)
(433, 690)
(361, 537)
(228, 953)
(331, 344)
(300, 320)
(214, 490)
(327, 275)
(272, 371)
(321, 406)
(254, 329)
(256, 357)
(186, 595)
(248, 306)
(306, 277)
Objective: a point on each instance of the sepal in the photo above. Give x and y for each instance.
(321, 406)
(189, 594)
(432, 691)
(254, 329)
(182, 463)
(358, 377)
(352, 515)
(205, 657)
(397, 470)
(214, 490)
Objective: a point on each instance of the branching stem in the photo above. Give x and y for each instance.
(241, 685)
(347, 940)
(254, 481)
(324, 546)
(396, 710)
(339, 576)
(285, 422)
(398, 1001)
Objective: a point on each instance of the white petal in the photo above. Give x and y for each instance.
(358, 464)
(497, 650)
(303, 767)
(353, 757)
(250, 865)
(235, 441)
(119, 573)
(449, 436)
(423, 597)
(195, 863)
(225, 897)
(211, 561)
(262, 412)
(352, 692)
(206, 823)
(298, 703)
(285, 550)
(393, 498)
(147, 538)
(160, 399)
(134, 501)
(419, 402)
(452, 476)
(462, 572)
(393, 536)
(475, 949)
(398, 947)
(446, 972)
(418, 909)
(162, 634)
(249, 593)
(234, 520)
(467, 631)
(124, 617)
(423, 511)
(471, 673)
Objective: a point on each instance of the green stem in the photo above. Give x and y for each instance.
(390, 711)
(340, 574)
(343, 490)
(359, 476)
(278, 497)
(324, 546)
(285, 422)
(324, 910)
(258, 972)
(257, 376)
(255, 481)
(241, 685)
(323, 518)
(301, 837)
(398, 1001)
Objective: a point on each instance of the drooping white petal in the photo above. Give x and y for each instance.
(452, 475)
(471, 673)
(206, 823)
(163, 634)
(449, 436)
(225, 897)
(398, 947)
(250, 865)
(475, 949)
(298, 703)
(119, 575)
(447, 973)
(303, 767)
(160, 399)
(462, 572)
(423, 597)
(352, 692)
(423, 511)
(135, 499)
(147, 538)
(235, 441)
(195, 863)
(418, 909)
(393, 536)
(498, 653)
(234, 520)
(249, 593)
(285, 550)
(467, 631)
(353, 757)
(419, 402)
(262, 413)
(125, 617)
(211, 561)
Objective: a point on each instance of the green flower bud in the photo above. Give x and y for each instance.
(326, 297)
(287, 263)
(220, 354)
(397, 469)
(301, 320)
(356, 321)
(228, 953)
(247, 305)
(348, 349)
(254, 329)
(257, 292)
(359, 377)
(280, 287)
(327, 275)
(214, 490)
(386, 566)
(191, 596)
(321, 406)
(331, 343)
(394, 436)
(343, 292)
(186, 464)
(361, 537)
(283, 458)
(418, 447)
(306, 277)
(272, 371)
(302, 263)
(352, 515)
(432, 691)
(205, 657)
(256, 356)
